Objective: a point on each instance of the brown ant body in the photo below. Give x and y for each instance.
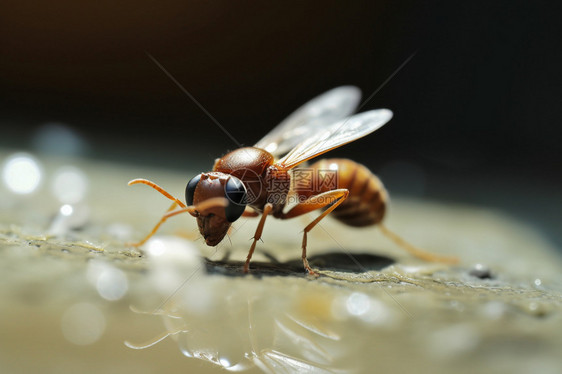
(251, 181)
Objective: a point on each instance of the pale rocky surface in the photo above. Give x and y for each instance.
(74, 298)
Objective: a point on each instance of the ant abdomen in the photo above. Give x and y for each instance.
(366, 203)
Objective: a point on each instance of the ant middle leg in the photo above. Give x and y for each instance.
(334, 197)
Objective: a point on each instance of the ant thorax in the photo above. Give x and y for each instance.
(277, 185)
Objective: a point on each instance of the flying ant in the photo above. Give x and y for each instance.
(264, 179)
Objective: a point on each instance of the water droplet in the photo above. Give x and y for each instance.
(481, 271)
(69, 217)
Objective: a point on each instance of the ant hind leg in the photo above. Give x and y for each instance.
(415, 251)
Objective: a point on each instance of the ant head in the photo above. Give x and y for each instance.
(215, 221)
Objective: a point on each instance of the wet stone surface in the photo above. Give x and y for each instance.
(75, 297)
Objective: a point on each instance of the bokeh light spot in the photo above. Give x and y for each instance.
(69, 185)
(21, 173)
(83, 324)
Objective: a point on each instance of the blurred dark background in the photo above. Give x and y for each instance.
(477, 109)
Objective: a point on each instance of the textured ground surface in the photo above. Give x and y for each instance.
(74, 297)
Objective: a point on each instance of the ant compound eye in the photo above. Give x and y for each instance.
(235, 192)
(190, 189)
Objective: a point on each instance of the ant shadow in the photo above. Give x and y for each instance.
(334, 261)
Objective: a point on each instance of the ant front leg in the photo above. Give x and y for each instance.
(257, 236)
(334, 197)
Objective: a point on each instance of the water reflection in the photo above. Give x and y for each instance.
(278, 326)
(172, 259)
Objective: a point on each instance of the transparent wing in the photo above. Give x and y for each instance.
(310, 118)
(338, 134)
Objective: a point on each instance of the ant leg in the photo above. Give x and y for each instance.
(334, 197)
(415, 251)
(157, 188)
(266, 210)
